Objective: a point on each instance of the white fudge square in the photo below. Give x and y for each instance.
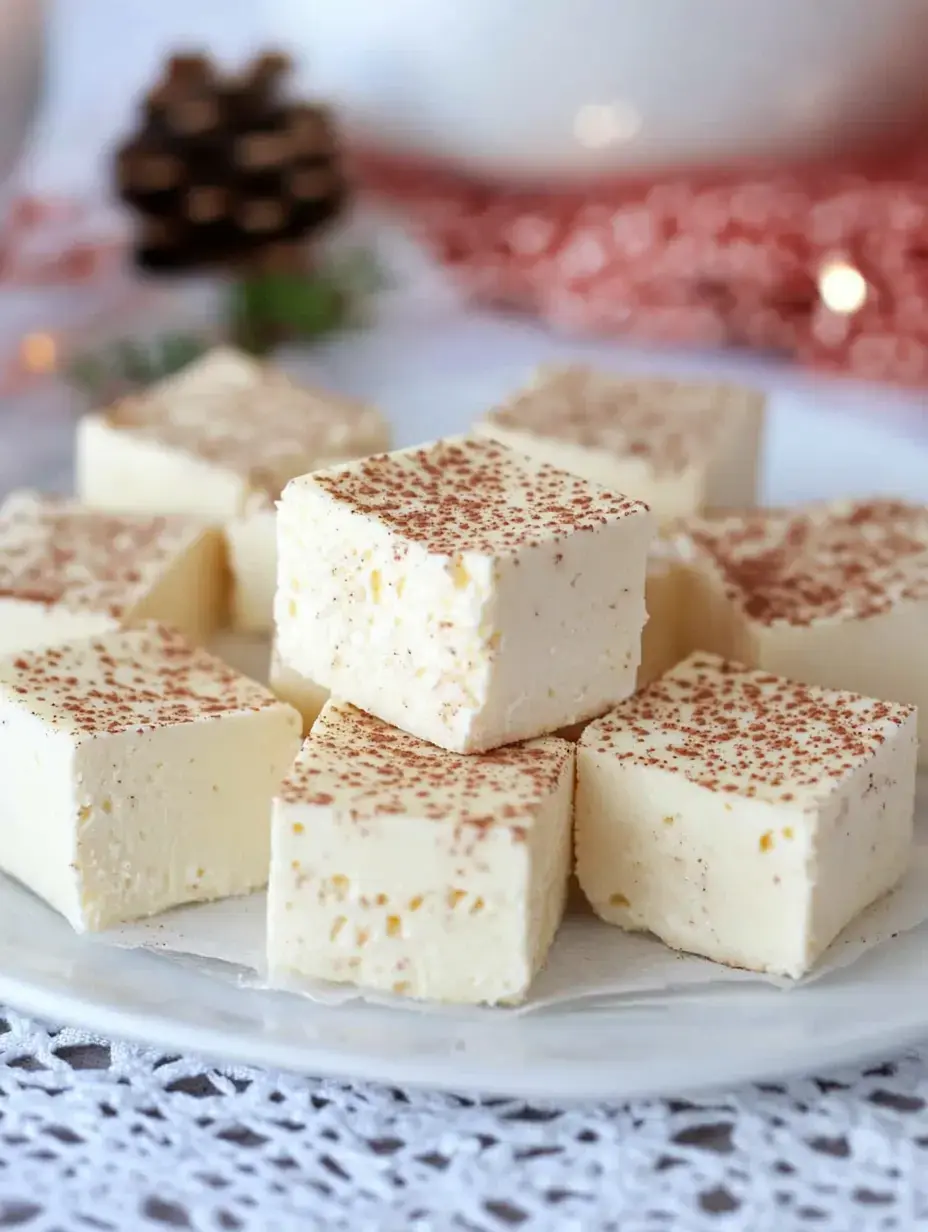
(679, 446)
(219, 440)
(304, 695)
(661, 638)
(138, 774)
(834, 594)
(67, 571)
(742, 816)
(462, 592)
(398, 866)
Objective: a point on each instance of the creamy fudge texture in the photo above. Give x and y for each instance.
(662, 639)
(741, 816)
(398, 866)
(679, 446)
(67, 571)
(219, 440)
(304, 695)
(462, 592)
(834, 594)
(138, 774)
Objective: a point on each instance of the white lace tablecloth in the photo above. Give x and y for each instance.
(96, 1134)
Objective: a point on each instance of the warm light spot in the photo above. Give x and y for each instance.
(766, 841)
(201, 872)
(376, 585)
(459, 574)
(400, 587)
(362, 936)
(394, 926)
(295, 864)
(787, 831)
(415, 903)
(107, 805)
(291, 607)
(455, 896)
(477, 906)
(38, 353)
(668, 821)
(337, 925)
(597, 125)
(401, 986)
(83, 813)
(493, 641)
(298, 827)
(842, 287)
(381, 900)
(618, 900)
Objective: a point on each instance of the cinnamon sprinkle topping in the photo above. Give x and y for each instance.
(846, 560)
(363, 766)
(671, 425)
(54, 551)
(748, 733)
(472, 495)
(250, 418)
(130, 679)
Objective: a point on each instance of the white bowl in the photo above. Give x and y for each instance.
(22, 47)
(569, 89)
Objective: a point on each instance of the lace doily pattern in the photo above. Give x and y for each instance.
(110, 1137)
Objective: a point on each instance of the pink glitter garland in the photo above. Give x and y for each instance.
(704, 260)
(720, 258)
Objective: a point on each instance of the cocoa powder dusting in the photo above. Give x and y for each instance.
(730, 729)
(847, 560)
(671, 425)
(473, 495)
(138, 678)
(367, 768)
(55, 551)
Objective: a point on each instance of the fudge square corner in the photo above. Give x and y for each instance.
(138, 775)
(463, 592)
(742, 816)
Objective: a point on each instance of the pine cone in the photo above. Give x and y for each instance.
(223, 167)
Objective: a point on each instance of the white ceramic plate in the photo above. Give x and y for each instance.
(824, 440)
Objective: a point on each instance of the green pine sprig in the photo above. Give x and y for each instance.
(262, 311)
(128, 364)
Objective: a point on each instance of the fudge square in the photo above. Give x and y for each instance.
(67, 572)
(463, 592)
(219, 440)
(398, 866)
(302, 694)
(138, 773)
(663, 596)
(834, 594)
(741, 816)
(680, 446)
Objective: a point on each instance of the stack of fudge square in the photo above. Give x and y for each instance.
(564, 643)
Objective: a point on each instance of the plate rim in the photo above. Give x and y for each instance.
(575, 1084)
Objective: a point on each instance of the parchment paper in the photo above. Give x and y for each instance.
(589, 959)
